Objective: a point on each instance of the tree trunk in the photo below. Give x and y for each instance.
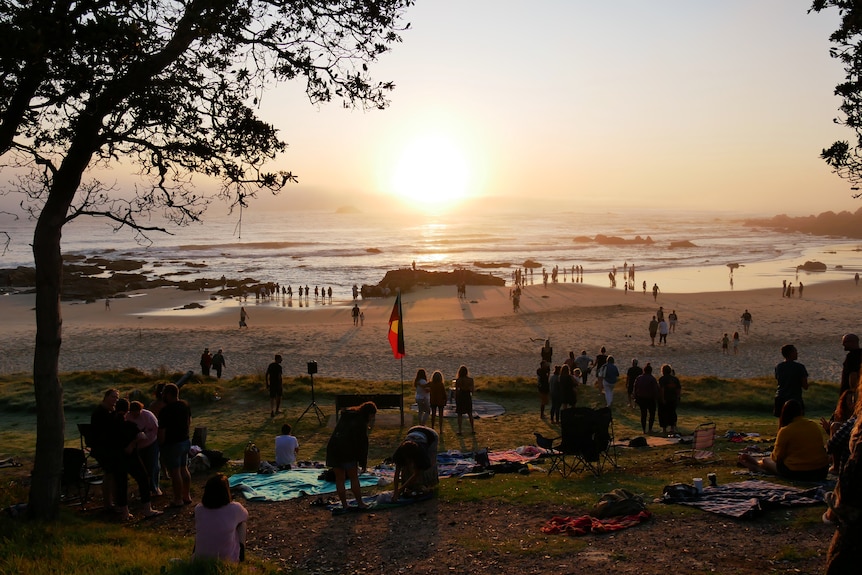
(44, 502)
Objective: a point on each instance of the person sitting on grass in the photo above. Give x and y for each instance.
(798, 453)
(219, 523)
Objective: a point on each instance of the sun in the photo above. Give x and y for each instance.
(431, 171)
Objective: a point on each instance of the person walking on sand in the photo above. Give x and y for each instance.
(243, 315)
(108, 303)
(735, 343)
(464, 387)
(653, 330)
(206, 361)
(274, 385)
(654, 292)
(663, 330)
(746, 321)
(355, 313)
(218, 363)
(725, 343)
(673, 318)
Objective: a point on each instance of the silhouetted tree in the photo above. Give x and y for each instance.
(843, 157)
(171, 87)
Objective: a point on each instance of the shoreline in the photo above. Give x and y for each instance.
(145, 330)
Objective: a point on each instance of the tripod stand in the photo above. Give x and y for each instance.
(317, 411)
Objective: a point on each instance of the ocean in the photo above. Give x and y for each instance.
(338, 250)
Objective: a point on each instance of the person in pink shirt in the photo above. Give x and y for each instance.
(219, 523)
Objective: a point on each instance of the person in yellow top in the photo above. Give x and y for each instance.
(798, 453)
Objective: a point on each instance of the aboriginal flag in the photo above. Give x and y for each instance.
(396, 329)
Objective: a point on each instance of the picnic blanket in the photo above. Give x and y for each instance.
(745, 499)
(290, 484)
(576, 526)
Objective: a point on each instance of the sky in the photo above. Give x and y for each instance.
(667, 103)
(568, 104)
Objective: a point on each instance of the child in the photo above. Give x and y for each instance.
(286, 448)
(725, 341)
(735, 342)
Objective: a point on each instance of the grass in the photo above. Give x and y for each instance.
(236, 412)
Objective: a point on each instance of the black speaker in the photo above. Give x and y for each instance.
(312, 367)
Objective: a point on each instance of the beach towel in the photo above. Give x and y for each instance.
(576, 526)
(746, 499)
(289, 484)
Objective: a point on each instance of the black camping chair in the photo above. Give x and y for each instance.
(587, 440)
(77, 476)
(86, 432)
(556, 458)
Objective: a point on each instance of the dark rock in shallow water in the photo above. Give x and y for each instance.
(812, 266)
(406, 279)
(682, 244)
(532, 264)
(491, 264)
(618, 241)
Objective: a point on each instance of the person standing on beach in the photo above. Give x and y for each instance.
(243, 315)
(792, 378)
(583, 363)
(206, 361)
(653, 330)
(107, 304)
(647, 392)
(423, 395)
(601, 359)
(800, 289)
(274, 384)
(852, 362)
(725, 343)
(663, 329)
(438, 398)
(655, 292)
(671, 391)
(543, 374)
(547, 351)
(735, 343)
(174, 422)
(659, 315)
(609, 379)
(631, 375)
(355, 314)
(746, 321)
(464, 387)
(672, 317)
(856, 278)
(218, 363)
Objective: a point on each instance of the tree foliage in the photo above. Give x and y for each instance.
(842, 156)
(171, 87)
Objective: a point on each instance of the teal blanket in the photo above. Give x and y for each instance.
(289, 484)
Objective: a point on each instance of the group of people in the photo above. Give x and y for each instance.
(800, 453)
(432, 397)
(661, 326)
(127, 439)
(561, 385)
(212, 362)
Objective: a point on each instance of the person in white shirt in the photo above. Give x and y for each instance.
(286, 447)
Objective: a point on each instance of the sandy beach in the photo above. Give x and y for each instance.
(148, 330)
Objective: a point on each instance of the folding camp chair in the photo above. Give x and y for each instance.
(85, 431)
(77, 476)
(587, 440)
(702, 446)
(552, 453)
